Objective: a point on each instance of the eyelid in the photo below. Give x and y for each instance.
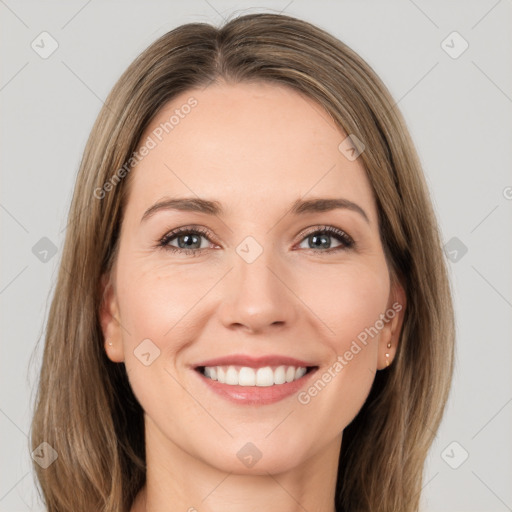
(325, 228)
(192, 228)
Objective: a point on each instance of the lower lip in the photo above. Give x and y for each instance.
(256, 395)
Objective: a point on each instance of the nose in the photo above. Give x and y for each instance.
(258, 296)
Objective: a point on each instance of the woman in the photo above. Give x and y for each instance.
(252, 309)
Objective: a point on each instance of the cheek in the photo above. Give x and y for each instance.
(155, 309)
(350, 304)
(161, 303)
(155, 301)
(348, 301)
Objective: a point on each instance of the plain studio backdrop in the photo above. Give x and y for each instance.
(447, 64)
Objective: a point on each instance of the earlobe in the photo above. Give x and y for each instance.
(108, 316)
(388, 346)
(388, 343)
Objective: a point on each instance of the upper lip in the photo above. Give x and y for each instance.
(254, 362)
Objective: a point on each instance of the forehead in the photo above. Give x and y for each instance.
(246, 145)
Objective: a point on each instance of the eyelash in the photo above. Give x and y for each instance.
(338, 234)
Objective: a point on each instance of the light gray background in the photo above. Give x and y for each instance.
(458, 111)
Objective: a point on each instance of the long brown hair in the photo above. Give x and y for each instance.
(85, 408)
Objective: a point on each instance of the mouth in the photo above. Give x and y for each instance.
(254, 381)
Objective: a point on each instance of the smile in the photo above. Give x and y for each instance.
(248, 380)
(247, 376)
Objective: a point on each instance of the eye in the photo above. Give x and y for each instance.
(188, 240)
(320, 238)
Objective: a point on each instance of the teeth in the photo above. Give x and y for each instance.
(232, 376)
(264, 376)
(246, 376)
(280, 375)
(300, 372)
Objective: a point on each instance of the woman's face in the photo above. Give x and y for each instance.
(266, 270)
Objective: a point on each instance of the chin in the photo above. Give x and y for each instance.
(255, 454)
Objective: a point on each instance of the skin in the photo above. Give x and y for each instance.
(255, 148)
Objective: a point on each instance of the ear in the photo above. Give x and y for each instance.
(393, 321)
(109, 320)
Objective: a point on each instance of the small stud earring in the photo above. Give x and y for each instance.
(387, 353)
(110, 343)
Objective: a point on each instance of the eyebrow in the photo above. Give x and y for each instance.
(299, 207)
